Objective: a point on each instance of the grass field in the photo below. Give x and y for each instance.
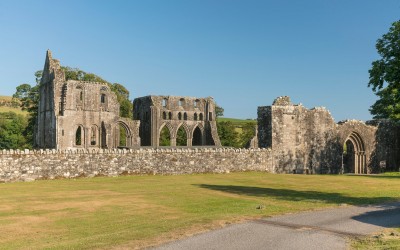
(236, 121)
(137, 211)
(388, 239)
(4, 109)
(10, 109)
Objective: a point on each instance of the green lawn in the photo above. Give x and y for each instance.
(388, 239)
(137, 211)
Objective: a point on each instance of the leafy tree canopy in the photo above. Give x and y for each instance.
(13, 127)
(219, 111)
(384, 76)
(227, 134)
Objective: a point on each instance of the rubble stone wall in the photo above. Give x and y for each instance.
(29, 165)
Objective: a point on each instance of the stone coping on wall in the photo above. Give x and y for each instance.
(128, 151)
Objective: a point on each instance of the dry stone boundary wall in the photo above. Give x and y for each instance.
(29, 165)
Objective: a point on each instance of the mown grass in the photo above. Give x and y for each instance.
(388, 240)
(137, 211)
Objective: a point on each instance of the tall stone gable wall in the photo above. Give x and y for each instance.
(52, 164)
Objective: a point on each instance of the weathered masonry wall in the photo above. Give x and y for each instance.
(309, 141)
(51, 164)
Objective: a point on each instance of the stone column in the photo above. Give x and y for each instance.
(173, 142)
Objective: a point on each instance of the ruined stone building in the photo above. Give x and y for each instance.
(309, 141)
(195, 116)
(77, 114)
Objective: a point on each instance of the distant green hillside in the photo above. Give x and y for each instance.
(236, 121)
(6, 105)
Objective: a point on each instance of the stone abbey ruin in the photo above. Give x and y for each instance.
(79, 134)
(85, 115)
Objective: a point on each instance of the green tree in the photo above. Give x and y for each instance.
(219, 111)
(227, 134)
(125, 105)
(181, 137)
(384, 76)
(165, 138)
(12, 128)
(29, 101)
(248, 132)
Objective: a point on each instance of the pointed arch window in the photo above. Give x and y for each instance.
(79, 136)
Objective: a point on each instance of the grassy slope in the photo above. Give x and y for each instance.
(236, 121)
(10, 109)
(134, 211)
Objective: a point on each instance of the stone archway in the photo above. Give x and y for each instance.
(164, 135)
(122, 135)
(197, 137)
(354, 158)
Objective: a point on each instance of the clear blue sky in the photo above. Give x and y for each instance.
(242, 53)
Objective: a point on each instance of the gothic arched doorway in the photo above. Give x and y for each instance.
(354, 159)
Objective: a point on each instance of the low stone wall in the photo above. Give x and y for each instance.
(28, 165)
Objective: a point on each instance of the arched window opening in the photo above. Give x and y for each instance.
(181, 102)
(81, 96)
(201, 116)
(78, 136)
(123, 135)
(196, 103)
(181, 137)
(93, 136)
(197, 137)
(103, 98)
(184, 116)
(165, 137)
(164, 116)
(170, 115)
(164, 102)
(179, 116)
(195, 116)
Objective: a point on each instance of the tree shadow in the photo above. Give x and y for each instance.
(389, 216)
(294, 195)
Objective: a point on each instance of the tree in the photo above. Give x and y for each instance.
(248, 132)
(125, 105)
(227, 134)
(219, 111)
(384, 76)
(29, 101)
(12, 127)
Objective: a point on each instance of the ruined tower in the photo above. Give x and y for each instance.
(80, 114)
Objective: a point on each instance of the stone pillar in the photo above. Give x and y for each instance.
(173, 142)
(189, 142)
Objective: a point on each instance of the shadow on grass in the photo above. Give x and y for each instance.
(294, 195)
